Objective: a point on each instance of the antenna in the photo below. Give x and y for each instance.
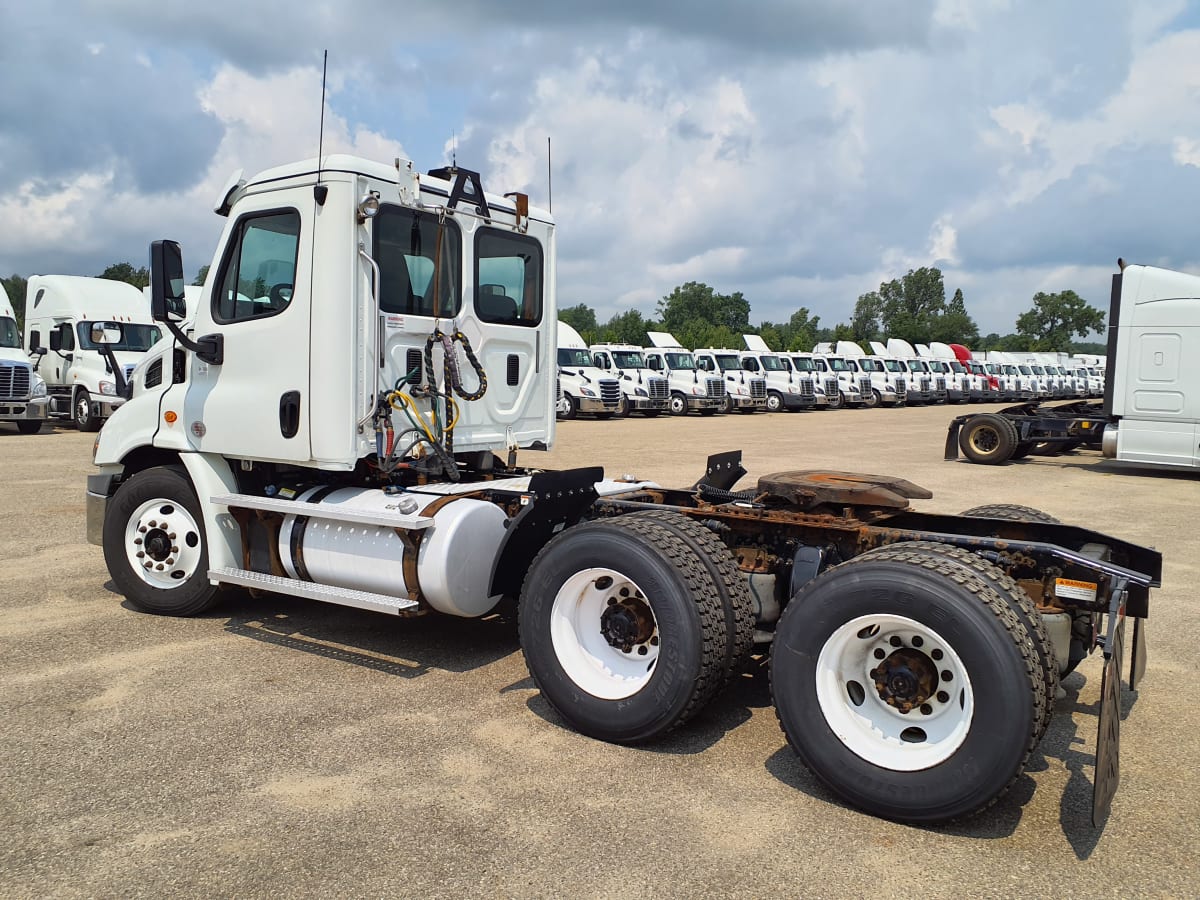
(549, 178)
(320, 191)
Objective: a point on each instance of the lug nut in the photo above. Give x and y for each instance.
(643, 650)
(140, 554)
(926, 709)
(137, 540)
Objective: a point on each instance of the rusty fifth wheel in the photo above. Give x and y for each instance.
(908, 685)
(630, 626)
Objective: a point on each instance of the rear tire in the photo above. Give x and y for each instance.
(623, 628)
(1014, 512)
(988, 439)
(156, 514)
(923, 631)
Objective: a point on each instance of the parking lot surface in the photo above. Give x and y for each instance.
(284, 747)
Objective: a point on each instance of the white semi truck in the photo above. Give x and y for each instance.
(642, 390)
(927, 386)
(887, 377)
(786, 389)
(805, 366)
(354, 440)
(853, 387)
(745, 388)
(583, 388)
(85, 379)
(690, 388)
(22, 390)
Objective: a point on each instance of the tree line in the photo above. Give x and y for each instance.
(912, 307)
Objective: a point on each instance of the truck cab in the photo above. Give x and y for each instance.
(806, 369)
(961, 385)
(690, 387)
(642, 391)
(22, 390)
(583, 388)
(885, 378)
(924, 386)
(786, 389)
(853, 385)
(745, 388)
(61, 312)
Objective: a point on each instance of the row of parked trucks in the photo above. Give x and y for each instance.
(617, 379)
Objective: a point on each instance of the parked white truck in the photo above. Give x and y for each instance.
(642, 390)
(805, 366)
(853, 387)
(84, 378)
(583, 387)
(786, 389)
(22, 390)
(926, 386)
(745, 388)
(691, 389)
(888, 379)
(354, 440)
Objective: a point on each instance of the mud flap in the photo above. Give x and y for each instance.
(1108, 735)
(952, 438)
(1137, 659)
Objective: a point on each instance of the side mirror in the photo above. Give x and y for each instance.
(56, 341)
(38, 351)
(167, 303)
(107, 333)
(35, 342)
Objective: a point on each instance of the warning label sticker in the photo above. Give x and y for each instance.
(1069, 589)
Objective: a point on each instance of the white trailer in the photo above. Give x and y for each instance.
(354, 441)
(583, 388)
(691, 389)
(85, 379)
(22, 390)
(643, 391)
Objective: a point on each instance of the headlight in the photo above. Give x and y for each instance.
(108, 389)
(640, 392)
(699, 391)
(39, 387)
(792, 389)
(587, 392)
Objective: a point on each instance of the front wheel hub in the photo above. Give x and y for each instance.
(626, 623)
(906, 679)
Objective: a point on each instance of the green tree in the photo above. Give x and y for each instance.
(841, 332)
(865, 321)
(14, 287)
(629, 327)
(201, 276)
(955, 325)
(695, 305)
(582, 318)
(799, 332)
(909, 306)
(124, 271)
(990, 341)
(1056, 318)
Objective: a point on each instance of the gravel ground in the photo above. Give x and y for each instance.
(278, 746)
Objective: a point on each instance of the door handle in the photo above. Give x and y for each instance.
(289, 414)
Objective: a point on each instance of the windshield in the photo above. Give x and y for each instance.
(1010, 370)
(573, 356)
(1038, 370)
(894, 365)
(772, 363)
(728, 362)
(992, 368)
(937, 366)
(680, 361)
(628, 359)
(8, 333)
(803, 364)
(1024, 370)
(914, 365)
(870, 365)
(957, 367)
(136, 338)
(839, 365)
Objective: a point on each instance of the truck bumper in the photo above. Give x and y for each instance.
(640, 404)
(106, 406)
(98, 487)
(593, 405)
(798, 401)
(954, 395)
(740, 402)
(705, 402)
(23, 410)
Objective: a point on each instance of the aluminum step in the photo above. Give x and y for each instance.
(333, 511)
(326, 593)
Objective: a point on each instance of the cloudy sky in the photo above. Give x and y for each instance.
(799, 151)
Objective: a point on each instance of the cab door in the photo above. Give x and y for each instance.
(255, 403)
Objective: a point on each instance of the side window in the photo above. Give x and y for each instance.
(68, 337)
(508, 278)
(654, 363)
(408, 246)
(259, 271)
(750, 364)
(601, 360)
(703, 363)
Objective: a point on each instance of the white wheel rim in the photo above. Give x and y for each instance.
(83, 407)
(162, 543)
(857, 710)
(589, 601)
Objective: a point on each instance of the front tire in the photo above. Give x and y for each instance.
(154, 544)
(84, 420)
(677, 405)
(624, 627)
(919, 633)
(774, 401)
(873, 399)
(568, 407)
(837, 400)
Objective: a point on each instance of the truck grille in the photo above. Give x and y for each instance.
(864, 385)
(758, 387)
(656, 388)
(610, 392)
(14, 382)
(831, 386)
(940, 384)
(806, 387)
(925, 385)
(900, 387)
(716, 387)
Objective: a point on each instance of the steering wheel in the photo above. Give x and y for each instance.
(281, 295)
